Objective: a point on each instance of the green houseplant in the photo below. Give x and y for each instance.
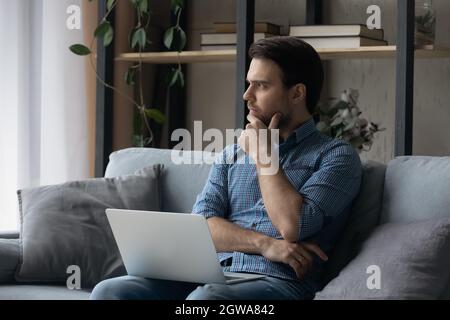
(174, 39)
(342, 120)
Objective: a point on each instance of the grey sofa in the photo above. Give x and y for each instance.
(388, 193)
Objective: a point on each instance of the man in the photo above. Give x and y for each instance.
(273, 224)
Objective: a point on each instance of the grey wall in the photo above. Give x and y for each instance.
(211, 91)
(375, 80)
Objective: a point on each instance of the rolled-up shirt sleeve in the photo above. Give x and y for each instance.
(213, 200)
(330, 189)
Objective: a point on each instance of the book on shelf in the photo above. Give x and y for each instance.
(338, 30)
(260, 27)
(227, 38)
(218, 47)
(342, 42)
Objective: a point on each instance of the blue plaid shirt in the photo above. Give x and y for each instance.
(326, 172)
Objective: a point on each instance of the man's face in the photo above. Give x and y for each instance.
(266, 94)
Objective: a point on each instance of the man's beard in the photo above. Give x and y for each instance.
(281, 123)
(267, 118)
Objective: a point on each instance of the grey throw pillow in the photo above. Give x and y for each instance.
(9, 258)
(363, 218)
(64, 225)
(412, 258)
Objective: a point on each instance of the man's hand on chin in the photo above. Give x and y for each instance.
(256, 140)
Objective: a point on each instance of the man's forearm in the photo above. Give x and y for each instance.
(229, 237)
(282, 203)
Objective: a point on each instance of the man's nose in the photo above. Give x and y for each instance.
(247, 94)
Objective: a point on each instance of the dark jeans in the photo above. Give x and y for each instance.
(137, 288)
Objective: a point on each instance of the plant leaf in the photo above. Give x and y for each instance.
(109, 36)
(168, 37)
(331, 112)
(350, 125)
(179, 39)
(130, 76)
(177, 3)
(139, 38)
(138, 140)
(173, 76)
(80, 49)
(336, 122)
(321, 126)
(156, 115)
(175, 39)
(341, 105)
(143, 6)
(177, 10)
(102, 28)
(110, 4)
(180, 79)
(142, 37)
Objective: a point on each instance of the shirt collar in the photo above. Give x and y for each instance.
(303, 131)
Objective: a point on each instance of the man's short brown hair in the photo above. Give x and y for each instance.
(299, 63)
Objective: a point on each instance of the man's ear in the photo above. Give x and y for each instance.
(299, 93)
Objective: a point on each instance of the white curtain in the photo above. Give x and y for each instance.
(43, 104)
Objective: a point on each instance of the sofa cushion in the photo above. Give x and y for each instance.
(41, 292)
(411, 259)
(363, 218)
(446, 293)
(180, 184)
(64, 225)
(9, 234)
(416, 188)
(9, 259)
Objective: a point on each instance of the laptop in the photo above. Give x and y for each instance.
(169, 246)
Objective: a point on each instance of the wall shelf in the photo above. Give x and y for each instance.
(184, 57)
(403, 54)
(381, 52)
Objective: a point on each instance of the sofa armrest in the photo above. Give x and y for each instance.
(9, 234)
(9, 259)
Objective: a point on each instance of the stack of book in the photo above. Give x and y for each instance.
(225, 36)
(338, 36)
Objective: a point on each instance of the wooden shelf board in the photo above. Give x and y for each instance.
(326, 54)
(184, 57)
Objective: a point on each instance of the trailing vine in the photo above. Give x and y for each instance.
(174, 39)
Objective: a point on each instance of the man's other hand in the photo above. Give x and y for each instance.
(297, 255)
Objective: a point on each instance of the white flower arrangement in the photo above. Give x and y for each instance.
(343, 121)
